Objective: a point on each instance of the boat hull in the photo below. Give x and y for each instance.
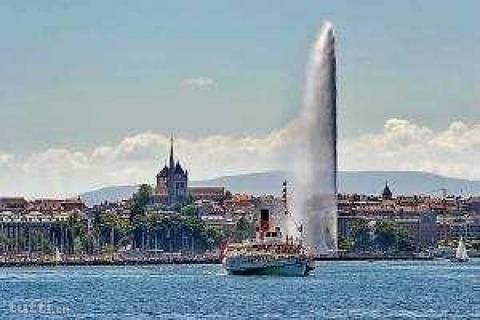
(288, 268)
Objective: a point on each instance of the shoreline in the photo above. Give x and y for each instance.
(185, 260)
(374, 258)
(103, 263)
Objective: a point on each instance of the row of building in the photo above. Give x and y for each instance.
(426, 219)
(426, 226)
(27, 226)
(48, 206)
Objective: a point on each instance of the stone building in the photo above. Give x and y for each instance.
(172, 182)
(39, 225)
(216, 194)
(172, 185)
(387, 193)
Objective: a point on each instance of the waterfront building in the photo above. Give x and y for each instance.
(14, 204)
(454, 227)
(37, 225)
(421, 228)
(20, 204)
(58, 205)
(35, 231)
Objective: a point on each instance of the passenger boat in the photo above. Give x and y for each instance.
(269, 253)
(257, 258)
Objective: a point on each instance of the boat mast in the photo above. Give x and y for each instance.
(284, 198)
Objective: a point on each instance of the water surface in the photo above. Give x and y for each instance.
(336, 290)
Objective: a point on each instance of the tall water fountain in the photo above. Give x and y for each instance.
(315, 187)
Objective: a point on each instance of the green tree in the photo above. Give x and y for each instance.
(385, 235)
(361, 236)
(390, 237)
(40, 243)
(244, 229)
(214, 236)
(77, 231)
(475, 244)
(112, 229)
(87, 243)
(190, 199)
(140, 200)
(404, 241)
(345, 244)
(190, 210)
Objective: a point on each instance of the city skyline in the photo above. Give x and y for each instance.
(92, 91)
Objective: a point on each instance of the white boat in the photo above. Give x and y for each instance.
(268, 258)
(461, 252)
(58, 256)
(269, 253)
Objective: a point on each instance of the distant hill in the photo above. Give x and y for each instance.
(112, 193)
(366, 182)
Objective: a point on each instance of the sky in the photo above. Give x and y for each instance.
(91, 90)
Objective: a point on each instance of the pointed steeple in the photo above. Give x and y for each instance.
(387, 193)
(171, 162)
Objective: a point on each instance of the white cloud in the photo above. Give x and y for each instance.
(403, 145)
(5, 158)
(198, 82)
(400, 145)
(55, 161)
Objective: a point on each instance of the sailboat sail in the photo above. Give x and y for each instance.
(461, 253)
(58, 255)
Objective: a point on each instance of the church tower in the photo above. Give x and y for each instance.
(172, 180)
(387, 193)
(171, 161)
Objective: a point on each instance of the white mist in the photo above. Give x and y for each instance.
(315, 187)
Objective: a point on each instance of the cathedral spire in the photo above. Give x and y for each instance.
(387, 193)
(171, 162)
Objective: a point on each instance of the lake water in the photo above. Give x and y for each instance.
(335, 290)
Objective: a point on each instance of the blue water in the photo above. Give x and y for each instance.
(340, 290)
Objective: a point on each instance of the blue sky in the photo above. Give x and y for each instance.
(83, 74)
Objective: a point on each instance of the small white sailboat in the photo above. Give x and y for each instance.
(461, 253)
(58, 256)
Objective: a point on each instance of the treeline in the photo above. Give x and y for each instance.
(147, 228)
(66, 236)
(383, 236)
